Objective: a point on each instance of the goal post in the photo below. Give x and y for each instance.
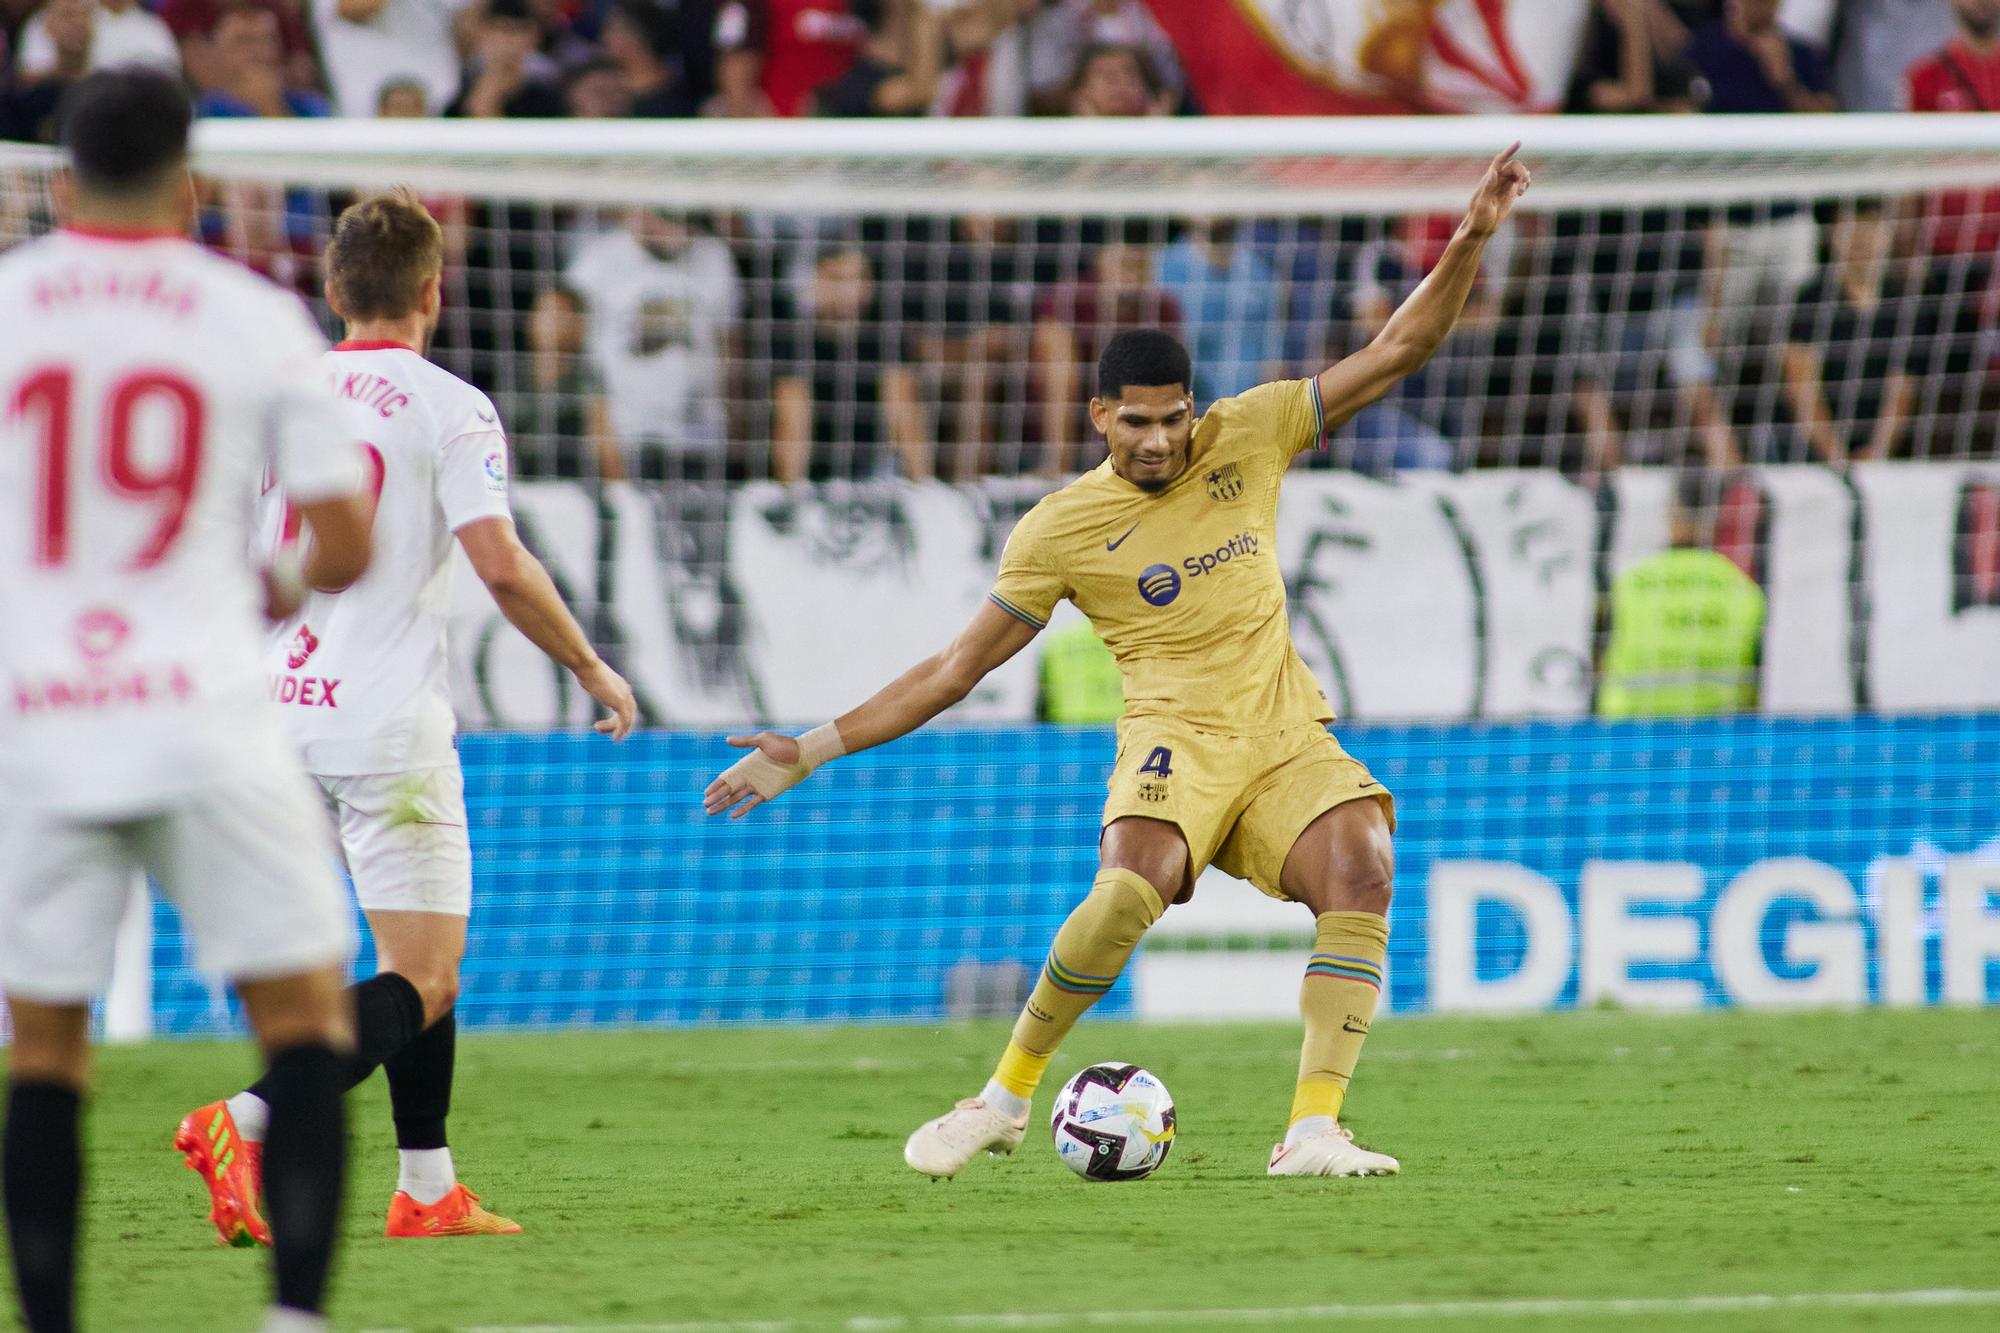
(1280, 166)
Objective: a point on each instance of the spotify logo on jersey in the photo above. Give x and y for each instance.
(1159, 584)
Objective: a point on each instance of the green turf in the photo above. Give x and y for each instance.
(757, 1175)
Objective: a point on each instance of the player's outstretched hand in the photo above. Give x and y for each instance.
(1505, 181)
(609, 688)
(774, 765)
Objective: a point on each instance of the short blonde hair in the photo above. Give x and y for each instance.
(384, 249)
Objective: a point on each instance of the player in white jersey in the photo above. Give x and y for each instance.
(147, 386)
(359, 676)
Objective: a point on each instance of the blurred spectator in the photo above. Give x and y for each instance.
(402, 99)
(500, 82)
(596, 91)
(1964, 73)
(1959, 229)
(1117, 81)
(1536, 383)
(1853, 345)
(843, 403)
(1230, 300)
(1406, 427)
(245, 60)
(969, 300)
(569, 37)
(784, 50)
(1760, 254)
(1633, 60)
(1074, 322)
(1878, 41)
(739, 69)
(662, 304)
(1752, 65)
(895, 71)
(1309, 255)
(1063, 35)
(191, 22)
(121, 33)
(988, 41)
(13, 14)
(1687, 625)
(1644, 267)
(557, 419)
(36, 98)
(1643, 271)
(638, 39)
(367, 43)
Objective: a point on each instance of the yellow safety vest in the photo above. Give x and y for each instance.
(1686, 626)
(1080, 679)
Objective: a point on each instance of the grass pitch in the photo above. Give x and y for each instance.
(693, 1180)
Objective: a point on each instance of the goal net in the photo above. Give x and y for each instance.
(777, 393)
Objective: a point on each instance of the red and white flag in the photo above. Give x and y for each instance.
(1360, 57)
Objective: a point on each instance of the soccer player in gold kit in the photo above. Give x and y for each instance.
(1169, 547)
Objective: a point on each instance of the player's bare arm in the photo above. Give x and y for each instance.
(778, 763)
(1421, 323)
(527, 596)
(341, 530)
(337, 552)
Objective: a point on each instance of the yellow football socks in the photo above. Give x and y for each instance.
(1337, 1000)
(1090, 951)
(1019, 1072)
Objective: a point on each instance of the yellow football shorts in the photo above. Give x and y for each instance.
(1240, 801)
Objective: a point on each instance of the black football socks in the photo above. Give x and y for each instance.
(43, 1184)
(420, 1084)
(305, 1166)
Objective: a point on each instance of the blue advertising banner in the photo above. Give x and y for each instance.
(1740, 861)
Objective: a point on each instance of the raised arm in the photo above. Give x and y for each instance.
(778, 763)
(1420, 324)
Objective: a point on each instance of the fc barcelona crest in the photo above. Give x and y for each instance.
(1225, 483)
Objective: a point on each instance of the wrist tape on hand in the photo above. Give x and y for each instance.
(769, 778)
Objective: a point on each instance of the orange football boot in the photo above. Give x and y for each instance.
(456, 1214)
(231, 1167)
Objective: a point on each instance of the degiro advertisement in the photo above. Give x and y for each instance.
(1732, 862)
(1752, 862)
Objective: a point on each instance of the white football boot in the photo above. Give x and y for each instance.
(1330, 1153)
(940, 1148)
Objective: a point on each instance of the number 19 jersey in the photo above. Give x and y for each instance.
(146, 388)
(360, 675)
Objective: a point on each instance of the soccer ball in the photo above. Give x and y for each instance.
(1113, 1122)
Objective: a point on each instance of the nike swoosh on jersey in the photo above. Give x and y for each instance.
(1112, 546)
(486, 416)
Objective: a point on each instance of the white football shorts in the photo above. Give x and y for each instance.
(247, 862)
(403, 840)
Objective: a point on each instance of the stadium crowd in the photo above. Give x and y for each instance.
(661, 345)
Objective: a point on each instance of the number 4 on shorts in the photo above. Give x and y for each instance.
(1160, 763)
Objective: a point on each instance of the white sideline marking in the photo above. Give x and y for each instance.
(1528, 1308)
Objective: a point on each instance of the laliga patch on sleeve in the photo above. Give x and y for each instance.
(496, 471)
